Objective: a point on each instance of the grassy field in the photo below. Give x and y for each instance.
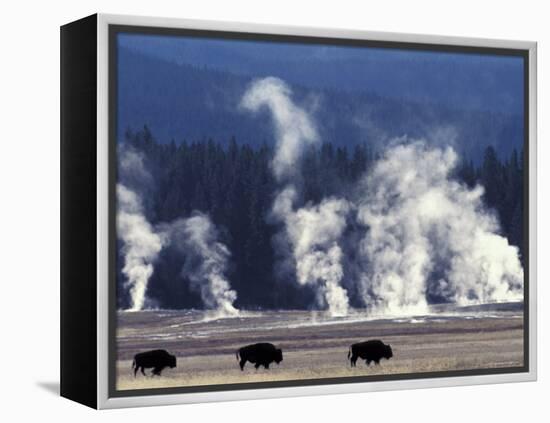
(313, 347)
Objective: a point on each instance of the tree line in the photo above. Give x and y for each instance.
(233, 183)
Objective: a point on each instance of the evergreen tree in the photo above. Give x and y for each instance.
(235, 186)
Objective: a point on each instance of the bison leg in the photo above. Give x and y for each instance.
(353, 360)
(242, 363)
(157, 371)
(266, 365)
(257, 365)
(377, 362)
(368, 362)
(135, 371)
(143, 371)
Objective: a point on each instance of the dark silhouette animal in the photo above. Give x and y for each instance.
(370, 351)
(262, 354)
(158, 360)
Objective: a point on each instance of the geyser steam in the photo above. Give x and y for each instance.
(141, 245)
(205, 262)
(419, 236)
(313, 232)
(429, 236)
(293, 125)
(205, 259)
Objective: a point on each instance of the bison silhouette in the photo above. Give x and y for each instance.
(373, 350)
(158, 360)
(262, 354)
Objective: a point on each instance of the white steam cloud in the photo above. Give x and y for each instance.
(313, 232)
(426, 238)
(205, 262)
(427, 235)
(419, 236)
(292, 124)
(205, 259)
(132, 170)
(141, 245)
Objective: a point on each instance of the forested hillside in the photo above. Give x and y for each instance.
(463, 81)
(183, 102)
(231, 181)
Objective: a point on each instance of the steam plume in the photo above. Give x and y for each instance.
(132, 171)
(205, 262)
(141, 245)
(313, 232)
(293, 126)
(429, 236)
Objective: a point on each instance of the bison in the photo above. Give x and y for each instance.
(373, 350)
(262, 354)
(156, 359)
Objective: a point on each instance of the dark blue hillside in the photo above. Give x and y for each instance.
(194, 103)
(456, 80)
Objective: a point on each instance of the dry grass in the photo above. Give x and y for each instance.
(314, 352)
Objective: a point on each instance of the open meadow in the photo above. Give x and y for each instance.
(315, 346)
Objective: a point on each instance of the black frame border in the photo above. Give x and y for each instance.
(115, 29)
(78, 211)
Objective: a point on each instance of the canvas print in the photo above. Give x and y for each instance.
(293, 211)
